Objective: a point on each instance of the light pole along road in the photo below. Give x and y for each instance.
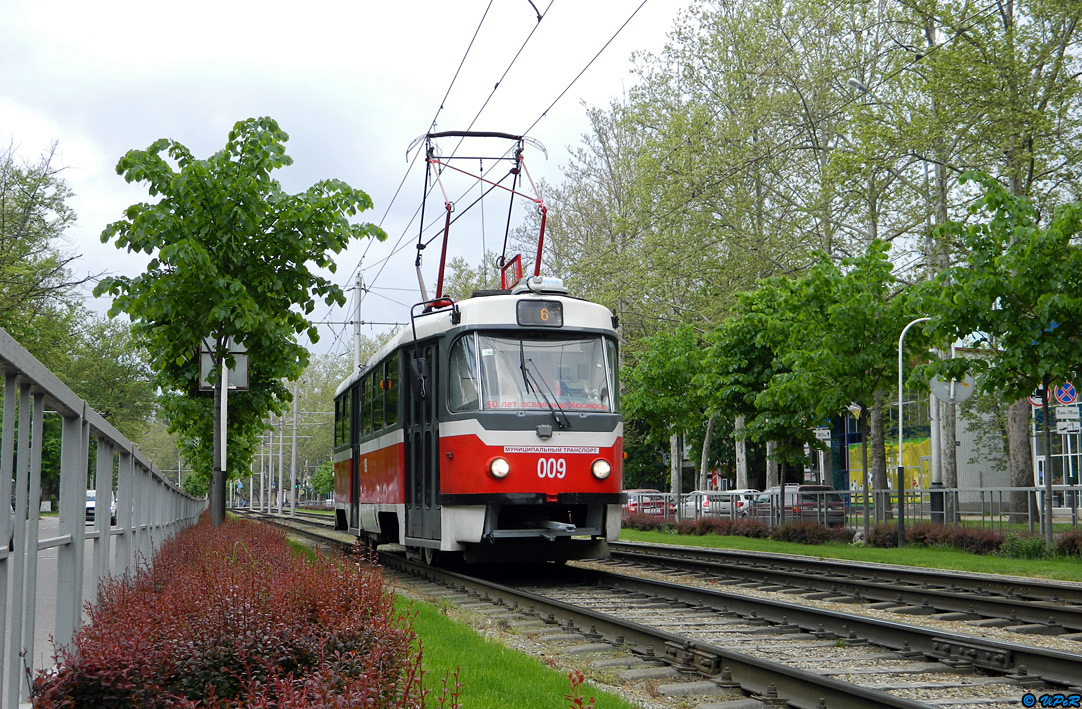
(900, 484)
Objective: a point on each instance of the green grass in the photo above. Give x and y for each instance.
(1061, 569)
(492, 675)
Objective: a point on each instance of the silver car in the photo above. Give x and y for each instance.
(733, 504)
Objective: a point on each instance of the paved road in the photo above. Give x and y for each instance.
(45, 617)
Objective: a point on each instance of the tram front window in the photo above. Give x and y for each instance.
(530, 374)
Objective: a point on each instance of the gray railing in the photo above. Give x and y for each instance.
(989, 507)
(149, 509)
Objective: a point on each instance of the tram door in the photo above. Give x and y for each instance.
(422, 444)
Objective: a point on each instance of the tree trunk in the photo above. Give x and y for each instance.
(741, 456)
(879, 458)
(862, 423)
(948, 434)
(704, 461)
(676, 470)
(1020, 461)
(772, 471)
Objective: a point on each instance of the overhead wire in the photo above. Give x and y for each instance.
(398, 244)
(544, 113)
(435, 117)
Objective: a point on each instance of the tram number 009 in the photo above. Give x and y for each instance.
(551, 467)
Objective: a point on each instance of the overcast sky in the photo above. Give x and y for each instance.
(353, 83)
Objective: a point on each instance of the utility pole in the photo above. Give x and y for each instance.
(357, 323)
(281, 466)
(293, 462)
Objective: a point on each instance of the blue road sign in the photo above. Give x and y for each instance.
(1066, 394)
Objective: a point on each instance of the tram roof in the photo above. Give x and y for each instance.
(498, 310)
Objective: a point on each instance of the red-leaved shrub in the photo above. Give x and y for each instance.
(722, 526)
(645, 523)
(229, 617)
(974, 540)
(802, 532)
(1070, 543)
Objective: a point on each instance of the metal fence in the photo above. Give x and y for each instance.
(149, 509)
(981, 507)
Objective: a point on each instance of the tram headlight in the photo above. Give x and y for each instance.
(499, 468)
(601, 469)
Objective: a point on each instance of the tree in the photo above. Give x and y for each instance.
(461, 280)
(744, 355)
(1018, 294)
(844, 342)
(105, 367)
(37, 288)
(323, 480)
(231, 253)
(660, 391)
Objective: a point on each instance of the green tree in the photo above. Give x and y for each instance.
(844, 343)
(38, 291)
(323, 479)
(660, 391)
(231, 254)
(1019, 295)
(461, 281)
(106, 367)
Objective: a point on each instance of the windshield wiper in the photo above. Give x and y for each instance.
(546, 393)
(522, 366)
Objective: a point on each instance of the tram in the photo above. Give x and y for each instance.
(489, 430)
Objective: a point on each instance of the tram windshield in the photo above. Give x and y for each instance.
(499, 373)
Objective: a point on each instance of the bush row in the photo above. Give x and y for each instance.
(229, 617)
(974, 540)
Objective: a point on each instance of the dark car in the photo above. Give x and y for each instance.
(803, 503)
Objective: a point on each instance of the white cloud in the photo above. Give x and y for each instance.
(352, 82)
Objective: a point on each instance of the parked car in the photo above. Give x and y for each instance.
(808, 503)
(648, 502)
(719, 503)
(92, 504)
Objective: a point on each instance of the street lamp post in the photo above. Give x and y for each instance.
(900, 484)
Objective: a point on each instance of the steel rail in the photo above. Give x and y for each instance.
(1050, 665)
(754, 675)
(1040, 607)
(1010, 587)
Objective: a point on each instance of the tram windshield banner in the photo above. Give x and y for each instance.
(500, 373)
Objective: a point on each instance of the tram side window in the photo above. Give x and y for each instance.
(337, 422)
(614, 383)
(347, 417)
(391, 392)
(464, 394)
(378, 385)
(366, 392)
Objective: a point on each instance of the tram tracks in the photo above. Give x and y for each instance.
(710, 645)
(1026, 606)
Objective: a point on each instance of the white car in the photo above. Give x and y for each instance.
(92, 504)
(718, 503)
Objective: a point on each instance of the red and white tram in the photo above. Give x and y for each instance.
(488, 430)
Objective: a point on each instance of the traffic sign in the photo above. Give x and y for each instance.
(1066, 394)
(1065, 427)
(822, 433)
(953, 392)
(1067, 413)
(1035, 398)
